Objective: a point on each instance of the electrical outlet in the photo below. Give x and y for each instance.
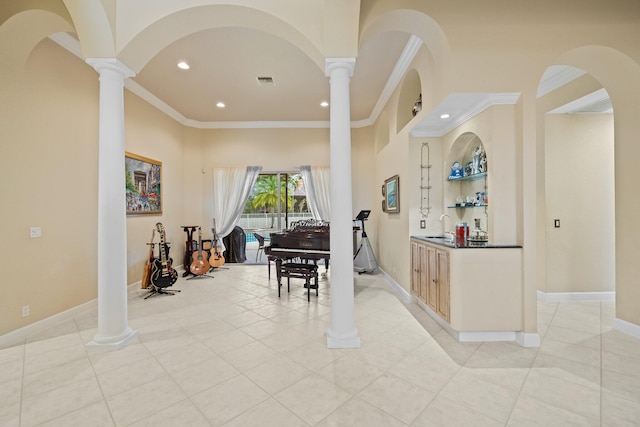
(423, 223)
(35, 232)
(26, 311)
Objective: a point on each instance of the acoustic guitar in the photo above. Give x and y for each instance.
(163, 274)
(146, 274)
(200, 264)
(216, 259)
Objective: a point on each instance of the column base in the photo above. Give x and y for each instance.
(348, 340)
(110, 343)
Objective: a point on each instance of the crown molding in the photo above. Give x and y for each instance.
(406, 58)
(257, 125)
(462, 107)
(585, 101)
(556, 76)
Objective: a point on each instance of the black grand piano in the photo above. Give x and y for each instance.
(307, 240)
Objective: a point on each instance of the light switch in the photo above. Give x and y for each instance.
(556, 223)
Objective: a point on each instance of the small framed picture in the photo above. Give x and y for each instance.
(392, 194)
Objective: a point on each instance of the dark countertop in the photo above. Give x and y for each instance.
(447, 243)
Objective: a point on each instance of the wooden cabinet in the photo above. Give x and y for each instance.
(419, 270)
(430, 277)
(442, 283)
(415, 268)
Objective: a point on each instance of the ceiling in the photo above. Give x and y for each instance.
(225, 65)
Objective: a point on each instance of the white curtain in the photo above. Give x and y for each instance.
(316, 184)
(231, 189)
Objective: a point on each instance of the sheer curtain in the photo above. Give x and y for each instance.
(231, 189)
(316, 183)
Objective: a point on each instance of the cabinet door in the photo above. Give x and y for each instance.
(415, 268)
(424, 268)
(443, 284)
(432, 279)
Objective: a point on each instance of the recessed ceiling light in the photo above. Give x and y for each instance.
(445, 116)
(220, 105)
(324, 104)
(183, 65)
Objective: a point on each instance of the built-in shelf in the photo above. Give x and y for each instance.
(473, 177)
(466, 206)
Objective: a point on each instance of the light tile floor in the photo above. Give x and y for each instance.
(227, 352)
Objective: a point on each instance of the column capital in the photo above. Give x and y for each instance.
(331, 64)
(112, 64)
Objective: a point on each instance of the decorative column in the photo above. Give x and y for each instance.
(342, 332)
(113, 331)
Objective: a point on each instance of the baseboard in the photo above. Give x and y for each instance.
(575, 296)
(528, 339)
(626, 327)
(15, 337)
(525, 340)
(404, 296)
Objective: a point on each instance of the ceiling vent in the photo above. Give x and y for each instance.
(265, 81)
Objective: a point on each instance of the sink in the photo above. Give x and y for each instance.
(445, 239)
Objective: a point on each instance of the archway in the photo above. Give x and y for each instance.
(578, 174)
(619, 75)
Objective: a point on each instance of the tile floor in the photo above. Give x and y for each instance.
(227, 352)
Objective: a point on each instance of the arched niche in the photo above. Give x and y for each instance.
(409, 93)
(466, 192)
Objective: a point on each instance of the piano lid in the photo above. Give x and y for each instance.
(307, 234)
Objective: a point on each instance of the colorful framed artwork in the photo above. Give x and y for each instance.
(392, 194)
(143, 183)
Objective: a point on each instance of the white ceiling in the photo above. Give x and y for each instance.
(226, 62)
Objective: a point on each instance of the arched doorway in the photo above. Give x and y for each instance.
(579, 224)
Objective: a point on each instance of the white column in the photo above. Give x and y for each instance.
(113, 330)
(342, 332)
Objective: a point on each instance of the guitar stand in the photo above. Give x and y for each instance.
(155, 291)
(200, 276)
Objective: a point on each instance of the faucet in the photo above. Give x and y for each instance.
(443, 228)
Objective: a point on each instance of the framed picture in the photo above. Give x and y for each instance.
(392, 196)
(143, 179)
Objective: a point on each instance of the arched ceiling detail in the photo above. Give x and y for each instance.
(93, 28)
(412, 22)
(155, 37)
(618, 73)
(20, 33)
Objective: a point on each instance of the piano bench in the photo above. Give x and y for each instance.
(299, 271)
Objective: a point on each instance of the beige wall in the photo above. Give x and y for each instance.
(152, 134)
(580, 193)
(48, 179)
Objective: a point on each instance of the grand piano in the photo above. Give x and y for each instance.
(307, 240)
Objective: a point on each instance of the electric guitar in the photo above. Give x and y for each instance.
(146, 274)
(163, 274)
(216, 259)
(200, 264)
